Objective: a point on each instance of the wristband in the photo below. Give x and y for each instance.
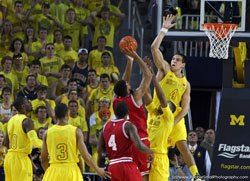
(164, 30)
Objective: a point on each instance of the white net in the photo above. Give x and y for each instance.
(219, 37)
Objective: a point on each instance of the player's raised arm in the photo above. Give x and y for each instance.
(87, 157)
(127, 73)
(146, 79)
(159, 61)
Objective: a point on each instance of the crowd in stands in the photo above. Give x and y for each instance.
(58, 52)
(200, 144)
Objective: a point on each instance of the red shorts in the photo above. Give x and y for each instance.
(127, 171)
(141, 159)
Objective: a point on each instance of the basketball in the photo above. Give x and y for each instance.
(128, 42)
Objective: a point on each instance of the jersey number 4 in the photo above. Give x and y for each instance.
(112, 143)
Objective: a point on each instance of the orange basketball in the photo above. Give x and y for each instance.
(128, 42)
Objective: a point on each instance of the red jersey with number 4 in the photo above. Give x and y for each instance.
(117, 142)
(137, 114)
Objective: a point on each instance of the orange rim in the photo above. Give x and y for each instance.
(217, 27)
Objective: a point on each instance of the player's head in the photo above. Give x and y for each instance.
(61, 111)
(22, 105)
(121, 110)
(178, 62)
(122, 88)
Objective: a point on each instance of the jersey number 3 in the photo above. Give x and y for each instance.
(112, 143)
(63, 151)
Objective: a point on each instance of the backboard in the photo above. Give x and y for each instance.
(223, 11)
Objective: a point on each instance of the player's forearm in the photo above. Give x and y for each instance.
(159, 92)
(181, 115)
(45, 163)
(90, 161)
(127, 74)
(143, 148)
(144, 67)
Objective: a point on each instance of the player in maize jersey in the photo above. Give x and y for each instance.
(160, 125)
(20, 138)
(60, 146)
(117, 139)
(137, 114)
(176, 89)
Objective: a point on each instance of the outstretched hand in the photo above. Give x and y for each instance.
(167, 21)
(129, 52)
(150, 158)
(102, 173)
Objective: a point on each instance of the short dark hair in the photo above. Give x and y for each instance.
(71, 80)
(30, 75)
(57, 30)
(42, 29)
(61, 110)
(41, 88)
(18, 102)
(2, 76)
(104, 76)
(102, 37)
(92, 70)
(67, 37)
(4, 59)
(72, 101)
(65, 66)
(70, 9)
(49, 44)
(40, 107)
(18, 2)
(12, 49)
(106, 53)
(184, 58)
(105, 9)
(6, 89)
(120, 88)
(121, 110)
(35, 62)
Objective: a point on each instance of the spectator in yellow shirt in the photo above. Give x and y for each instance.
(51, 64)
(69, 55)
(42, 120)
(106, 68)
(76, 120)
(58, 41)
(10, 78)
(6, 37)
(18, 20)
(95, 55)
(17, 47)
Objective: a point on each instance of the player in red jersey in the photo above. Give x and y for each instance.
(117, 139)
(137, 114)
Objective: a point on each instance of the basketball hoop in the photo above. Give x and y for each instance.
(219, 35)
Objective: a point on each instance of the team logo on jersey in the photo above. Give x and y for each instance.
(237, 120)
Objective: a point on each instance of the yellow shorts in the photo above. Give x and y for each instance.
(63, 171)
(17, 166)
(159, 168)
(179, 132)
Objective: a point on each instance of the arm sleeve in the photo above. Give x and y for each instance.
(34, 139)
